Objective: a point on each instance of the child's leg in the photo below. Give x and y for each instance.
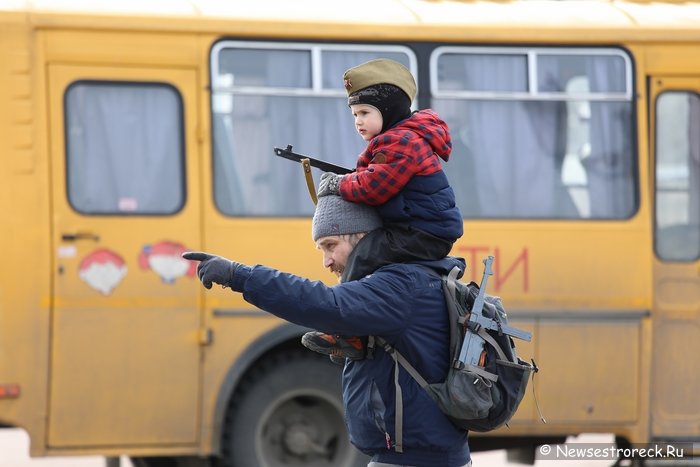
(351, 347)
(393, 243)
(407, 243)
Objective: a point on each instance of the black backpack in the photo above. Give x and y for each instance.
(482, 393)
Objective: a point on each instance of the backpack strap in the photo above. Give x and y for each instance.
(487, 337)
(401, 360)
(398, 409)
(398, 415)
(450, 283)
(449, 289)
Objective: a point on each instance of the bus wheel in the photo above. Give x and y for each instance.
(288, 412)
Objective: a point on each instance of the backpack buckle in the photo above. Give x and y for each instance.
(370, 347)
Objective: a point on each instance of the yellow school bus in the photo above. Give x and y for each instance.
(132, 131)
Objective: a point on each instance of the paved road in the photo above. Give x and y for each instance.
(14, 452)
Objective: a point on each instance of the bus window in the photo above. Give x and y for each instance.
(112, 128)
(272, 94)
(538, 133)
(678, 176)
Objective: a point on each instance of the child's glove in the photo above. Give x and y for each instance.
(213, 269)
(328, 185)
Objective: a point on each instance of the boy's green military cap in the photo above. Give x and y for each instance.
(380, 71)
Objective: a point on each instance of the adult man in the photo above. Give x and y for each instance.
(403, 303)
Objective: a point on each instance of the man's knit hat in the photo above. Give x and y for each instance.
(335, 216)
(380, 71)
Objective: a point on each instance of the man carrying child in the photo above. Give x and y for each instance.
(401, 174)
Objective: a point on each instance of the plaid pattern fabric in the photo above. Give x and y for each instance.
(413, 147)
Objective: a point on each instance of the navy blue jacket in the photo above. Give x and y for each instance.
(403, 303)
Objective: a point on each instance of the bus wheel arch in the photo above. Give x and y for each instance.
(280, 339)
(287, 411)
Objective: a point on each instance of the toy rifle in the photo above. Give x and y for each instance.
(319, 164)
(471, 355)
(306, 164)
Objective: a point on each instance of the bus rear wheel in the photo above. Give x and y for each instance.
(288, 412)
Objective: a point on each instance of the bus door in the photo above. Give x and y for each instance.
(125, 357)
(675, 110)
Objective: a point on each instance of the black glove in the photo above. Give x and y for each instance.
(328, 185)
(213, 268)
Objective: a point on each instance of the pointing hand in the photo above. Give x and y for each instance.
(212, 268)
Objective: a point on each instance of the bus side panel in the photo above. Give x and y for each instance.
(24, 203)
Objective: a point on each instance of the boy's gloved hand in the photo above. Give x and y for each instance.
(328, 185)
(213, 269)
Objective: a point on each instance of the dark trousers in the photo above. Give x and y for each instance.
(393, 243)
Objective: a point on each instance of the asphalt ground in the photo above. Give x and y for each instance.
(14, 452)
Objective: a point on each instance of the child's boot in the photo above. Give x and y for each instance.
(351, 347)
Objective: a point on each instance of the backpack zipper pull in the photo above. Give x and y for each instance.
(388, 440)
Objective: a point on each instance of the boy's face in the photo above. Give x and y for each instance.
(368, 120)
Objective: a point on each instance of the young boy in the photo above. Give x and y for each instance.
(400, 173)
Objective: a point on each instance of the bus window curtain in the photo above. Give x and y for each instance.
(320, 127)
(251, 179)
(517, 147)
(694, 161)
(609, 167)
(124, 151)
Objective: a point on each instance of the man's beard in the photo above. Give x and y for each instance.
(337, 270)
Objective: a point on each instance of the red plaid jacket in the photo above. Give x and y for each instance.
(392, 158)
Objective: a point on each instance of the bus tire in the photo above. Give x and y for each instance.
(288, 411)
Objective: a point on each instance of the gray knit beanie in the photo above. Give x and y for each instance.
(335, 216)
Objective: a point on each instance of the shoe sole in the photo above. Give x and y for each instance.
(333, 351)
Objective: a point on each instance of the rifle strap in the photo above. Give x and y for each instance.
(306, 166)
(485, 336)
